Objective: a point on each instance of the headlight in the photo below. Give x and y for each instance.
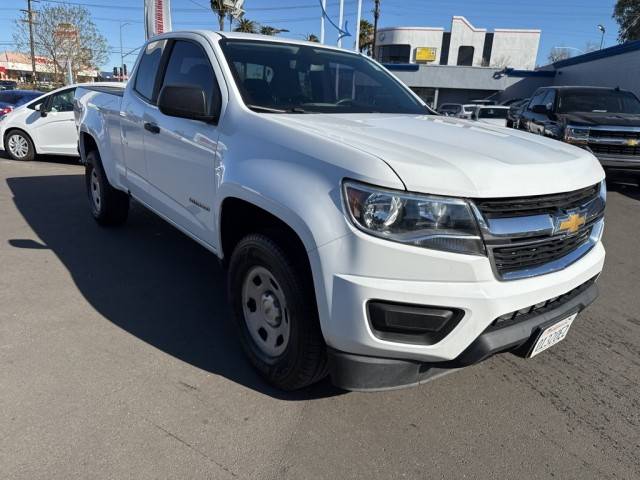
(576, 134)
(439, 223)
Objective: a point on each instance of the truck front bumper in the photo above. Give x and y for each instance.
(364, 373)
(383, 271)
(620, 162)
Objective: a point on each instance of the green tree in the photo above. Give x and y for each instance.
(64, 33)
(221, 10)
(627, 14)
(366, 36)
(269, 30)
(245, 25)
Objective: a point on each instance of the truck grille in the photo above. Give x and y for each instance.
(599, 148)
(533, 254)
(625, 134)
(530, 236)
(535, 205)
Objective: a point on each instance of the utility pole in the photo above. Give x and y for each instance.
(29, 20)
(359, 14)
(340, 22)
(121, 50)
(376, 16)
(324, 9)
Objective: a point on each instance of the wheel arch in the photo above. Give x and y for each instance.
(238, 217)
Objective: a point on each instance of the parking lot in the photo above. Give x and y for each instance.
(119, 360)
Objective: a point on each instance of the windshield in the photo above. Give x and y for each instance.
(598, 101)
(281, 78)
(492, 112)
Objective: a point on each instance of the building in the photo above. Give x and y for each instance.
(464, 45)
(459, 65)
(617, 66)
(17, 66)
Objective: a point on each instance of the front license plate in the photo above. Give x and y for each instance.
(552, 335)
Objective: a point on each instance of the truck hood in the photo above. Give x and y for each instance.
(595, 119)
(449, 156)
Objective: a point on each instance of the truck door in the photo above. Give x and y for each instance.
(137, 97)
(180, 152)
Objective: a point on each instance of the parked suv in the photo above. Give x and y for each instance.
(363, 236)
(603, 121)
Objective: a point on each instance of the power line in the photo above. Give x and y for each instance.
(191, 10)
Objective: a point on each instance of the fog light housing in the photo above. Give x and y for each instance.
(415, 324)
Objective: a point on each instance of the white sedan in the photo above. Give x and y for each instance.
(493, 114)
(42, 126)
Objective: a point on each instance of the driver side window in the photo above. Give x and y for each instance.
(537, 99)
(62, 101)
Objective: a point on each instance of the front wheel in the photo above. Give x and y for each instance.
(19, 146)
(276, 314)
(109, 206)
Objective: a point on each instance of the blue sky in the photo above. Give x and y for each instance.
(571, 23)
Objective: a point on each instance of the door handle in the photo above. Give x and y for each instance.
(151, 127)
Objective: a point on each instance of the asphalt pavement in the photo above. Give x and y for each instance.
(118, 360)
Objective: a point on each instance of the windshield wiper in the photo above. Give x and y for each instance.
(260, 108)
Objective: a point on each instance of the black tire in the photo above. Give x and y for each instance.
(304, 359)
(109, 206)
(23, 139)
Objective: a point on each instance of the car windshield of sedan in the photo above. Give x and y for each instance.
(286, 78)
(598, 101)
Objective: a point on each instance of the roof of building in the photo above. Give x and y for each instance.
(597, 55)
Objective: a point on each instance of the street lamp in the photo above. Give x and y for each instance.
(603, 30)
(121, 50)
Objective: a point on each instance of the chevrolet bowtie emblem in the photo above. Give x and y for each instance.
(571, 223)
(632, 142)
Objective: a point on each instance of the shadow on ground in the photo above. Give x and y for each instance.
(61, 159)
(625, 184)
(146, 277)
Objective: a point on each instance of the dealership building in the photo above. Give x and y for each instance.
(456, 65)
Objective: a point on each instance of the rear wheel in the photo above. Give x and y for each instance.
(276, 314)
(19, 146)
(109, 206)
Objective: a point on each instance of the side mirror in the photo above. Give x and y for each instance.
(187, 102)
(40, 108)
(541, 109)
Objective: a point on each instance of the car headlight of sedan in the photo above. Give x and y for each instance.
(439, 223)
(576, 134)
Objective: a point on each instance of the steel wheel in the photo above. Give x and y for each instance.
(18, 146)
(265, 312)
(95, 191)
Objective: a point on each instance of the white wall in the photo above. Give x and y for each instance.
(465, 34)
(515, 48)
(414, 36)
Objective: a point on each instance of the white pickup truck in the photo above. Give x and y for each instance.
(365, 236)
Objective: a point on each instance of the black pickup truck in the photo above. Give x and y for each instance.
(605, 121)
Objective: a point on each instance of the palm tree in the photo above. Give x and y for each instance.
(269, 30)
(366, 36)
(221, 10)
(311, 37)
(245, 25)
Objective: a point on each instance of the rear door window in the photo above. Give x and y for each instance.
(148, 68)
